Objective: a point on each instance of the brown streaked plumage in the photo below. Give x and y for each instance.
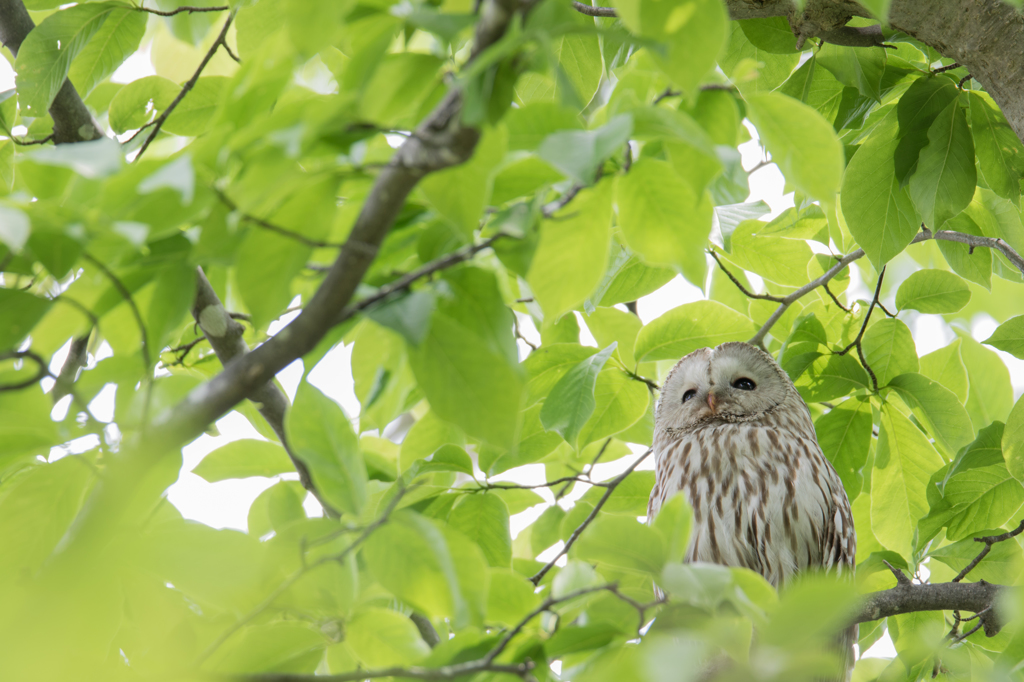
(733, 434)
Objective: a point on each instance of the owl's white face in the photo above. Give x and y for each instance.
(733, 382)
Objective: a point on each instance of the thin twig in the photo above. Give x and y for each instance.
(739, 285)
(924, 235)
(593, 11)
(29, 143)
(561, 202)
(964, 80)
(614, 483)
(860, 335)
(179, 10)
(130, 300)
(42, 372)
(836, 300)
(447, 261)
(283, 231)
(989, 540)
(187, 87)
(944, 69)
(666, 93)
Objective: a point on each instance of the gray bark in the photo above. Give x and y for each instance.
(985, 36)
(72, 121)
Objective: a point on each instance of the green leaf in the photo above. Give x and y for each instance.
(381, 638)
(140, 102)
(753, 69)
(662, 219)
(244, 458)
(879, 213)
(816, 87)
(889, 350)
(777, 259)
(38, 506)
(545, 532)
(114, 42)
(629, 498)
(944, 181)
(695, 325)
(801, 142)
(990, 396)
(320, 435)
(945, 366)
(1009, 337)
(570, 258)
(192, 115)
(281, 646)
(173, 295)
(578, 153)
(844, 434)
(398, 87)
(1000, 153)
(938, 408)
(275, 508)
(549, 363)
(980, 493)
(19, 313)
(691, 32)
(974, 265)
(510, 597)
(623, 543)
(1001, 566)
(933, 291)
(904, 463)
(44, 58)
(621, 401)
(1013, 441)
(856, 67)
(916, 110)
(674, 523)
(460, 194)
(628, 278)
(771, 34)
(571, 401)
(483, 519)
(468, 365)
(832, 376)
(613, 325)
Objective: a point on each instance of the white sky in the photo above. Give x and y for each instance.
(225, 504)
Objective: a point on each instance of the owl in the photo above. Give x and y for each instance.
(733, 434)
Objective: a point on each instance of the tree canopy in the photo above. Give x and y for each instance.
(423, 181)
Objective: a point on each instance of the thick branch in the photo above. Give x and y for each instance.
(225, 336)
(908, 598)
(72, 121)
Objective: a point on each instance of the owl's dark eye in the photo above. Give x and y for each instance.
(744, 384)
(689, 394)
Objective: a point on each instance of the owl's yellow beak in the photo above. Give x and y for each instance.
(711, 401)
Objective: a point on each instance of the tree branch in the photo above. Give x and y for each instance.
(404, 282)
(72, 121)
(860, 334)
(225, 336)
(924, 235)
(978, 597)
(989, 540)
(593, 11)
(186, 88)
(612, 485)
(42, 369)
(179, 10)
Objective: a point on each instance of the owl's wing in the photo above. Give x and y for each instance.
(839, 539)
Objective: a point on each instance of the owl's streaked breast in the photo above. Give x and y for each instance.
(761, 500)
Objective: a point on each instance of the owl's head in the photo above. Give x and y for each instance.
(731, 383)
